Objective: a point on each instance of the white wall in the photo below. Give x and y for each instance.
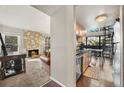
(15, 19)
(24, 17)
(12, 31)
(63, 48)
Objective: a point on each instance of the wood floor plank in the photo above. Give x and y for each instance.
(51, 84)
(106, 78)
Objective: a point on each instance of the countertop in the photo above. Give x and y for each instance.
(80, 52)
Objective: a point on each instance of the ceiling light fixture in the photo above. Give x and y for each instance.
(101, 18)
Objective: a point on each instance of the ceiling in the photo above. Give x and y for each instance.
(24, 17)
(48, 9)
(86, 14)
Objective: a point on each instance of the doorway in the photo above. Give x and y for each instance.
(98, 48)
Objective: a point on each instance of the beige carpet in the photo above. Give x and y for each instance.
(92, 72)
(35, 76)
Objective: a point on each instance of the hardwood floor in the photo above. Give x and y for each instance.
(106, 79)
(88, 82)
(51, 84)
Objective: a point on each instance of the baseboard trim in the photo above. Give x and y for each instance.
(45, 83)
(57, 81)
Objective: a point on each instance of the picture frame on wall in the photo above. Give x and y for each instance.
(11, 43)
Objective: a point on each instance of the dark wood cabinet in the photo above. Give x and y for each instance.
(12, 65)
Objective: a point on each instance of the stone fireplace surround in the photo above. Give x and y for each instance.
(34, 41)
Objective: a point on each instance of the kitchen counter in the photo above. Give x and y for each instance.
(80, 52)
(82, 62)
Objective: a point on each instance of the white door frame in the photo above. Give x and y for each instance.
(122, 45)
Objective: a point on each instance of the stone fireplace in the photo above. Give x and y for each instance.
(33, 53)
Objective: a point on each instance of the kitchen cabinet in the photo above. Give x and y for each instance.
(86, 61)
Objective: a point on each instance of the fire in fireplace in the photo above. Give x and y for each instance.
(33, 53)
